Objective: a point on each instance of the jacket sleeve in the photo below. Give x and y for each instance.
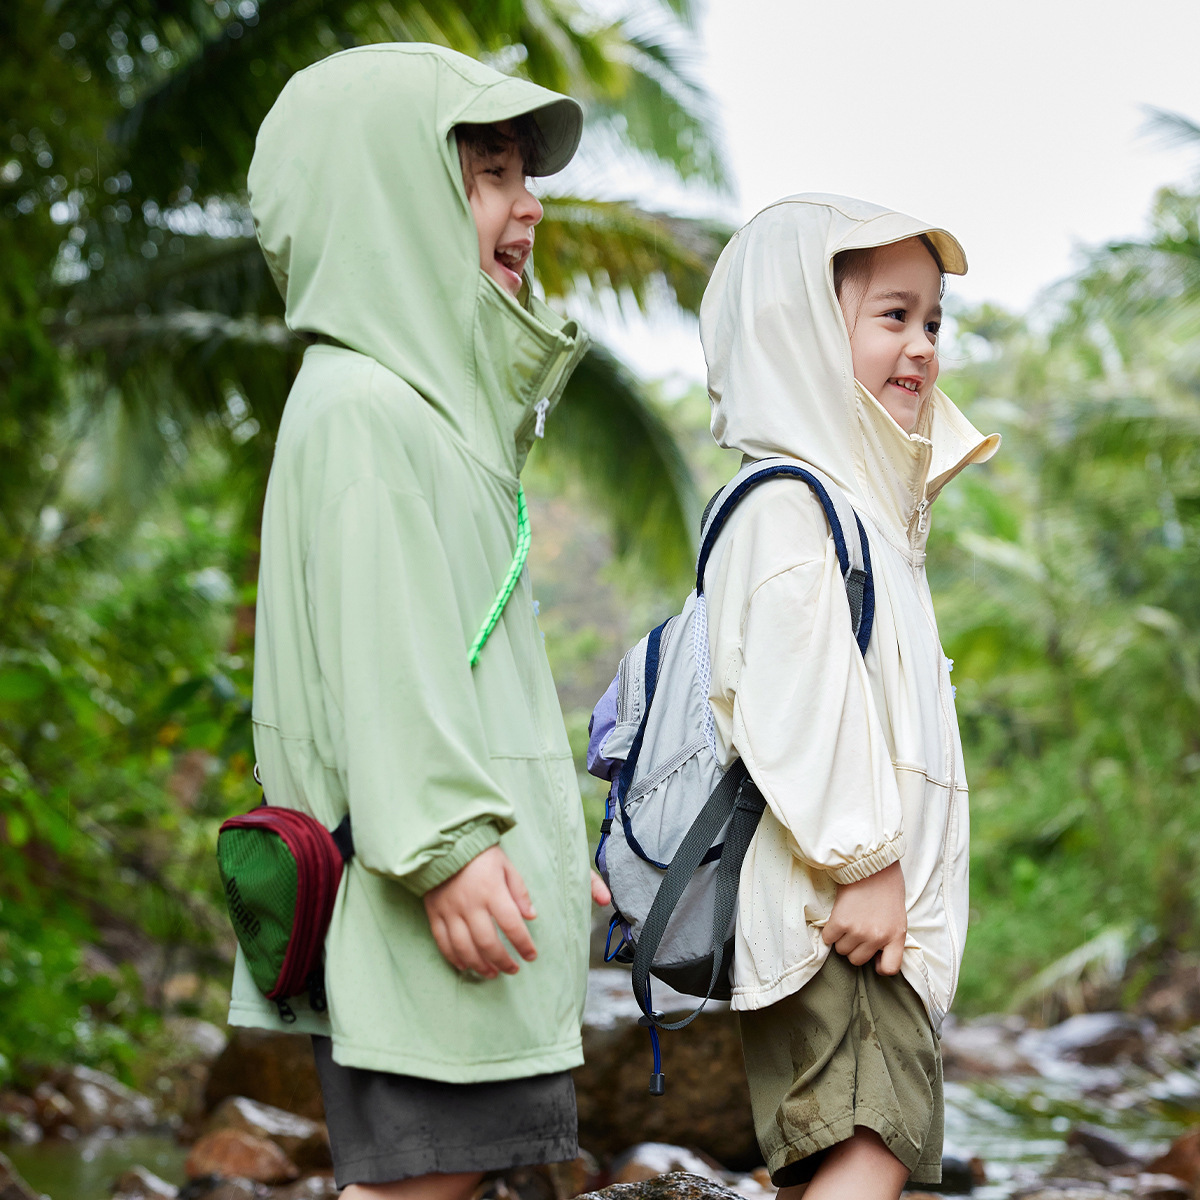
(803, 713)
(410, 747)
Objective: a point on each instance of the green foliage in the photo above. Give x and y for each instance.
(1066, 583)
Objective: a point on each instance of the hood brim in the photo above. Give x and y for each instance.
(559, 118)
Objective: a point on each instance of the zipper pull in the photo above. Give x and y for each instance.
(541, 408)
(923, 516)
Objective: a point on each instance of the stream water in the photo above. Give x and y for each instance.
(1016, 1124)
(1016, 1127)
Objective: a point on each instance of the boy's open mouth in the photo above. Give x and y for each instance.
(513, 259)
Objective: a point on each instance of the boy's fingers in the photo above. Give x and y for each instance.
(465, 950)
(518, 891)
(600, 893)
(509, 917)
(438, 928)
(489, 946)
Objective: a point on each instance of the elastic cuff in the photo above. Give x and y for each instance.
(870, 864)
(475, 839)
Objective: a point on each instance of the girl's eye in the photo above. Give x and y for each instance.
(933, 328)
(896, 314)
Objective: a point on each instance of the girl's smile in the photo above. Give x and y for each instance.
(893, 318)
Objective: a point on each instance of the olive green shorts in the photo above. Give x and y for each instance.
(851, 1048)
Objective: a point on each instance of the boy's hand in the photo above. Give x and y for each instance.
(600, 893)
(869, 918)
(464, 911)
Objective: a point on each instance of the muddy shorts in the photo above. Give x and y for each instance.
(385, 1127)
(850, 1048)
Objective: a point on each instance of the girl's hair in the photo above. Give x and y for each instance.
(478, 143)
(854, 266)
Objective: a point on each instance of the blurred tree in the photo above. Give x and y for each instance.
(1068, 599)
(143, 367)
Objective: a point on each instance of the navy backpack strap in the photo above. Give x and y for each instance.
(849, 537)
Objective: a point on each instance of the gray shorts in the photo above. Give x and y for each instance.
(385, 1127)
(851, 1048)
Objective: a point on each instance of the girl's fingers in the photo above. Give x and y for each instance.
(600, 893)
(890, 957)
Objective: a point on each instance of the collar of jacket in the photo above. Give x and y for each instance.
(524, 356)
(898, 475)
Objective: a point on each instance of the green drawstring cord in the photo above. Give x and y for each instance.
(510, 581)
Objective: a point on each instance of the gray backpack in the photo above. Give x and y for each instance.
(676, 826)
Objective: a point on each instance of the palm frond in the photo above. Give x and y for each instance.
(614, 244)
(608, 433)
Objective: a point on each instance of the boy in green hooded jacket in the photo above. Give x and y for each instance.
(389, 193)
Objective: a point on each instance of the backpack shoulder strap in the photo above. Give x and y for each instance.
(849, 536)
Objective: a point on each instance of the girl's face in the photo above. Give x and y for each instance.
(893, 315)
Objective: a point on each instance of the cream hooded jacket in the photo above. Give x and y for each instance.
(859, 759)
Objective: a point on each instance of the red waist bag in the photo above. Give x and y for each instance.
(281, 870)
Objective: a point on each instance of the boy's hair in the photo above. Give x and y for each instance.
(854, 266)
(478, 143)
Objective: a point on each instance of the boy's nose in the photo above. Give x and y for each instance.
(528, 208)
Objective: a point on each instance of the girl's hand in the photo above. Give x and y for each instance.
(868, 919)
(464, 912)
(600, 893)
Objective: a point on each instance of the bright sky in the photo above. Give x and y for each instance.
(1017, 125)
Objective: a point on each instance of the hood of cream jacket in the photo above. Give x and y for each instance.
(859, 760)
(389, 525)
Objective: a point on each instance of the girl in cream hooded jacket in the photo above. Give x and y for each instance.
(859, 760)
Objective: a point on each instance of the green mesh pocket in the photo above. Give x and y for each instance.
(259, 876)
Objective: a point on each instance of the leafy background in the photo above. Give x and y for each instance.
(143, 367)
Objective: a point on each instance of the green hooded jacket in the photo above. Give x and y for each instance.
(389, 526)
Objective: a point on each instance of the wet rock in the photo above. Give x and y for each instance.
(678, 1185)
(18, 1118)
(212, 1187)
(1094, 1039)
(649, 1159)
(12, 1186)
(311, 1187)
(54, 1111)
(1101, 1148)
(274, 1068)
(569, 1179)
(961, 1174)
(1173, 999)
(229, 1153)
(141, 1184)
(1082, 1191)
(707, 1101)
(101, 1102)
(201, 1041)
(305, 1142)
(1075, 1166)
(1147, 1186)
(1182, 1159)
(983, 1048)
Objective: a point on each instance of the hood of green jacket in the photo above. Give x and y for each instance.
(366, 227)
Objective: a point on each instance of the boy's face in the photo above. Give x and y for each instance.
(893, 317)
(505, 213)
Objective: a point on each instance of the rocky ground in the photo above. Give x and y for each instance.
(248, 1110)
